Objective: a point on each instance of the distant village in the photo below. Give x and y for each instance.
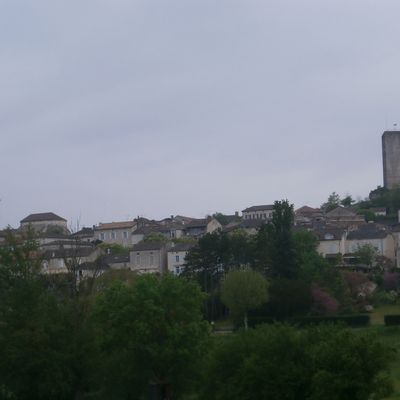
(150, 246)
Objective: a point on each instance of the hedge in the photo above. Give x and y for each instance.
(391, 320)
(355, 320)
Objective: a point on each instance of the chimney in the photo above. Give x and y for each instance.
(236, 213)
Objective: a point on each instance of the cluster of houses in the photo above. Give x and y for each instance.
(159, 246)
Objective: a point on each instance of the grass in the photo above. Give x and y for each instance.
(390, 336)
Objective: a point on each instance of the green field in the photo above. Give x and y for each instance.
(391, 337)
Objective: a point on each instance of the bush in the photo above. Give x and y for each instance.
(380, 298)
(391, 320)
(356, 320)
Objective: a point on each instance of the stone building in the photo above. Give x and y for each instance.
(391, 159)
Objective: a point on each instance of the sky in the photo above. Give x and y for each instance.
(111, 109)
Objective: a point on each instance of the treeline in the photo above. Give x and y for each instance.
(123, 336)
(300, 280)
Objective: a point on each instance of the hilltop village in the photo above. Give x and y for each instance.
(143, 245)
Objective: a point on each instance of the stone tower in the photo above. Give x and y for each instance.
(391, 159)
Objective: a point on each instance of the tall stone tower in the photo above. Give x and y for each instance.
(391, 159)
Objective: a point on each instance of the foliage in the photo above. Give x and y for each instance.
(214, 255)
(366, 254)
(281, 362)
(35, 345)
(332, 202)
(391, 320)
(149, 333)
(347, 201)
(289, 297)
(114, 248)
(323, 302)
(274, 247)
(244, 290)
(391, 280)
(155, 237)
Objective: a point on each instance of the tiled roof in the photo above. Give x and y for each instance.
(259, 208)
(115, 225)
(182, 247)
(144, 246)
(48, 216)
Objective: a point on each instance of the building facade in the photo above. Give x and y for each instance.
(391, 159)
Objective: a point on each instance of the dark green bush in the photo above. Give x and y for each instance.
(391, 320)
(355, 320)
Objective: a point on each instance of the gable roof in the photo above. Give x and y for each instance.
(307, 210)
(341, 212)
(181, 247)
(259, 208)
(198, 223)
(115, 225)
(40, 217)
(368, 231)
(144, 246)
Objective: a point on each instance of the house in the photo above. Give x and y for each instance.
(45, 222)
(58, 257)
(84, 235)
(117, 261)
(344, 217)
(263, 212)
(177, 257)
(250, 226)
(307, 215)
(374, 235)
(331, 241)
(200, 227)
(116, 232)
(149, 257)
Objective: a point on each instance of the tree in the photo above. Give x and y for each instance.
(214, 255)
(35, 342)
(150, 333)
(347, 201)
(332, 202)
(275, 252)
(282, 362)
(366, 254)
(242, 291)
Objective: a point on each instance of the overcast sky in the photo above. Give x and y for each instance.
(113, 109)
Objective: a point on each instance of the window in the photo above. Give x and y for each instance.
(113, 235)
(102, 236)
(151, 259)
(177, 270)
(137, 259)
(177, 258)
(125, 235)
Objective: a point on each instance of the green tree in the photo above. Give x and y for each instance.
(332, 202)
(366, 254)
(35, 342)
(275, 252)
(282, 362)
(214, 255)
(150, 333)
(244, 290)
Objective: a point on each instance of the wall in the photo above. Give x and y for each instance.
(391, 159)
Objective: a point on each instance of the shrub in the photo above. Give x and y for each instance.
(356, 320)
(391, 320)
(323, 302)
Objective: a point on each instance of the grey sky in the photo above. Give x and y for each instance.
(113, 109)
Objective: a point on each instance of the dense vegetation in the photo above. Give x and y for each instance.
(123, 336)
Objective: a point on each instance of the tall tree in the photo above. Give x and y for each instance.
(150, 334)
(242, 291)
